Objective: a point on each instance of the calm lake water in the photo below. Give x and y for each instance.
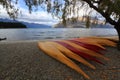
(53, 33)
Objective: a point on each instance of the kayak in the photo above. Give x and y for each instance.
(72, 55)
(56, 54)
(80, 49)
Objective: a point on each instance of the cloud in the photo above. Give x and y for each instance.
(3, 13)
(40, 17)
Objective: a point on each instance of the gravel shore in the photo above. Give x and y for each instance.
(24, 61)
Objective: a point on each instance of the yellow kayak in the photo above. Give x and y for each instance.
(78, 49)
(101, 41)
(72, 55)
(56, 54)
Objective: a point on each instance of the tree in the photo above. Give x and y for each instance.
(66, 9)
(109, 9)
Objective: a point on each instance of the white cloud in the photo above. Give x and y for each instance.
(3, 13)
(40, 17)
(37, 17)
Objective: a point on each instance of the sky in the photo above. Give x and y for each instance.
(40, 16)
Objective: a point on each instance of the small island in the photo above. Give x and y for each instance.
(6, 25)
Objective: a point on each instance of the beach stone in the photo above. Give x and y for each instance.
(24, 61)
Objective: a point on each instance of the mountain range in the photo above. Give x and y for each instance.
(28, 25)
(80, 24)
(58, 25)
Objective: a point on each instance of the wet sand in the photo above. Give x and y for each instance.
(24, 61)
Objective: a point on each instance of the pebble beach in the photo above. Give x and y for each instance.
(24, 61)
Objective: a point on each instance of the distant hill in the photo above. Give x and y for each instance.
(82, 25)
(80, 22)
(7, 20)
(35, 25)
(26, 24)
(4, 25)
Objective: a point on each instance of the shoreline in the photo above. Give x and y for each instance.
(23, 60)
(18, 41)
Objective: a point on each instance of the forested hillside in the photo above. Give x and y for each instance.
(11, 25)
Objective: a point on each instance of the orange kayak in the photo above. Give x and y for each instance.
(78, 49)
(52, 51)
(101, 41)
(72, 55)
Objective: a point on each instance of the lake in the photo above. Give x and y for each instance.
(54, 33)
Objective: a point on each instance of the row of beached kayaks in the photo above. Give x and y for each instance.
(79, 49)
